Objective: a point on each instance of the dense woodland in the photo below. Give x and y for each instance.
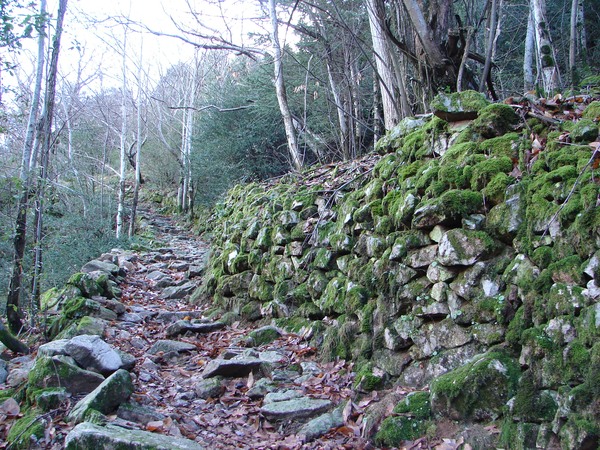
(75, 160)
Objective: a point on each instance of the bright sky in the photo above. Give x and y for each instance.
(92, 34)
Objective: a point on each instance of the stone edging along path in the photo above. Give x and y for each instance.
(177, 379)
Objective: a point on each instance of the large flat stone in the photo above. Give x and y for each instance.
(299, 408)
(183, 326)
(89, 436)
(239, 367)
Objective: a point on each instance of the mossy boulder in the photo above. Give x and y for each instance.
(592, 111)
(458, 105)
(448, 209)
(465, 247)
(495, 120)
(61, 371)
(411, 422)
(478, 390)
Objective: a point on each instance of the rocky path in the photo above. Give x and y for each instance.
(211, 382)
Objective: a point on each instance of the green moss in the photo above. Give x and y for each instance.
(365, 380)
(495, 190)
(263, 336)
(310, 311)
(506, 145)
(26, 431)
(592, 111)
(416, 404)
(458, 153)
(468, 100)
(479, 389)
(484, 171)
(542, 256)
(394, 430)
(495, 120)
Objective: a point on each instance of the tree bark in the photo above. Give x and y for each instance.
(13, 312)
(138, 153)
(491, 39)
(48, 120)
(123, 156)
(384, 64)
(288, 123)
(528, 78)
(545, 50)
(11, 342)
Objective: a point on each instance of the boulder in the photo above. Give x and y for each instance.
(113, 391)
(183, 326)
(62, 371)
(88, 435)
(236, 367)
(298, 408)
(478, 390)
(102, 266)
(462, 247)
(94, 354)
(179, 292)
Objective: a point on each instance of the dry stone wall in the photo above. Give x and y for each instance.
(463, 257)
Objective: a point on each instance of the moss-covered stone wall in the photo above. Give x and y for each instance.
(463, 256)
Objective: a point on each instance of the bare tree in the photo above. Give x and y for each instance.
(288, 123)
(13, 312)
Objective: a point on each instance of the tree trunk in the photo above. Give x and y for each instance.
(48, 120)
(384, 64)
(545, 50)
(122, 159)
(280, 91)
(138, 153)
(491, 39)
(13, 313)
(11, 342)
(528, 78)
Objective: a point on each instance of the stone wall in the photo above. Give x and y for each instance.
(463, 257)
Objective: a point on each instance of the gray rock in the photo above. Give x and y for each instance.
(93, 353)
(261, 388)
(113, 391)
(53, 348)
(63, 371)
(196, 270)
(437, 336)
(3, 371)
(299, 408)
(436, 273)
(272, 356)
(391, 362)
(138, 413)
(318, 426)
(462, 248)
(183, 326)
(51, 399)
(102, 266)
(421, 257)
(167, 346)
(283, 396)
(87, 435)
(131, 317)
(237, 367)
(179, 292)
(209, 388)
(160, 279)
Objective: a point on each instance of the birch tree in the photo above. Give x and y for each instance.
(545, 53)
(288, 123)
